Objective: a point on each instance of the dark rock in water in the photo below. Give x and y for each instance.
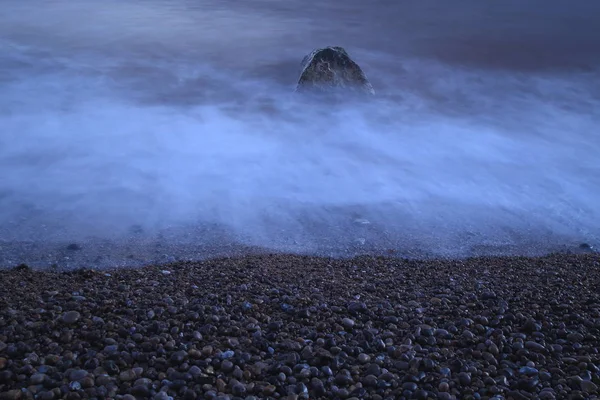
(22, 267)
(586, 248)
(331, 68)
(74, 247)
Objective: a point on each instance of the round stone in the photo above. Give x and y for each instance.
(70, 317)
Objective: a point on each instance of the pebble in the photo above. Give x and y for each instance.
(535, 347)
(127, 376)
(364, 358)
(162, 396)
(348, 323)
(464, 378)
(70, 317)
(77, 374)
(227, 366)
(37, 379)
(249, 329)
(589, 387)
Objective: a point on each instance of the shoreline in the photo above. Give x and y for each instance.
(135, 252)
(297, 327)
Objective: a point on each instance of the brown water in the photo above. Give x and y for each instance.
(153, 130)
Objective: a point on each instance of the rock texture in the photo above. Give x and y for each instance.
(291, 327)
(331, 69)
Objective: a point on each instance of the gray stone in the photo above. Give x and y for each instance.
(37, 379)
(77, 374)
(70, 317)
(331, 68)
(348, 323)
(589, 387)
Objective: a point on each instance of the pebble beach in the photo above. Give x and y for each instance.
(303, 327)
(181, 219)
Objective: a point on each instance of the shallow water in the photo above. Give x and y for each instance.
(160, 130)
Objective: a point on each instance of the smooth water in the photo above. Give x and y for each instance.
(157, 130)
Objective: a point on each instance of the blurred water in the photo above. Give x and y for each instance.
(157, 130)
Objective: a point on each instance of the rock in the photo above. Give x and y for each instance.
(370, 381)
(467, 334)
(178, 357)
(307, 353)
(37, 379)
(331, 68)
(227, 366)
(373, 369)
(238, 389)
(531, 326)
(141, 391)
(528, 371)
(464, 378)
(70, 317)
(589, 387)
(575, 337)
(348, 323)
(127, 376)
(586, 247)
(343, 379)
(87, 382)
(356, 307)
(269, 390)
(227, 354)
(22, 268)
(547, 395)
(162, 396)
(516, 395)
(11, 395)
(47, 395)
(77, 374)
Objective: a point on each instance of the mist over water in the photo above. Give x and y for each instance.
(152, 131)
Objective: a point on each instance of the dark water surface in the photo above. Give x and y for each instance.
(157, 130)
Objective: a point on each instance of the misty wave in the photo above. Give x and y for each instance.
(448, 160)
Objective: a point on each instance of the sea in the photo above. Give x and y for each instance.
(152, 131)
